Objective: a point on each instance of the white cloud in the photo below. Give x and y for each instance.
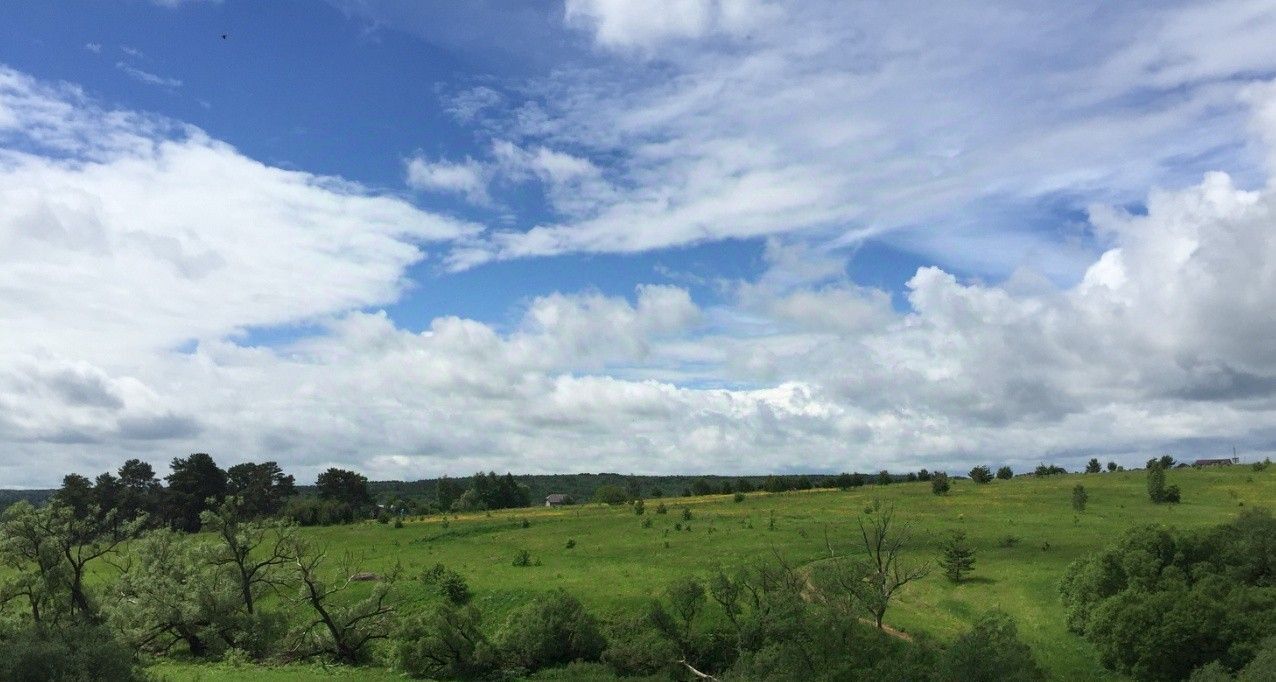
(466, 178)
(148, 77)
(93, 47)
(126, 235)
(950, 130)
(621, 24)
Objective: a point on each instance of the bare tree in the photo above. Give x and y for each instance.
(873, 580)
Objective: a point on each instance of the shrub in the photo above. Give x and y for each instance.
(1005, 473)
(639, 507)
(1093, 466)
(1049, 470)
(646, 523)
(639, 645)
(1079, 497)
(522, 558)
(939, 484)
(398, 522)
(662, 509)
(553, 629)
(738, 497)
(1112, 466)
(1008, 541)
(990, 652)
(686, 513)
(923, 475)
(981, 474)
(524, 523)
(445, 643)
(1158, 491)
(571, 542)
(1160, 603)
(80, 653)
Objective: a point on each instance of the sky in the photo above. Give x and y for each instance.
(703, 236)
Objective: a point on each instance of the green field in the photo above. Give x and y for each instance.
(616, 563)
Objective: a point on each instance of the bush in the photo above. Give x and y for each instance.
(1160, 603)
(639, 507)
(990, 652)
(686, 513)
(1049, 470)
(1158, 491)
(662, 509)
(738, 497)
(522, 558)
(611, 494)
(79, 654)
(571, 542)
(444, 643)
(1005, 473)
(939, 484)
(981, 474)
(553, 629)
(637, 646)
(1079, 498)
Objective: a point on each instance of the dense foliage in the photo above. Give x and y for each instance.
(1160, 603)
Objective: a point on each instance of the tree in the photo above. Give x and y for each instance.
(884, 477)
(1112, 466)
(879, 574)
(1093, 467)
(958, 558)
(1158, 491)
(76, 494)
(253, 551)
(981, 474)
(50, 548)
(990, 652)
(1049, 470)
(1159, 603)
(1166, 462)
(923, 475)
(1005, 473)
(446, 492)
(686, 599)
(341, 628)
(775, 484)
(1079, 498)
(193, 482)
(171, 593)
(939, 483)
(348, 487)
(140, 491)
(610, 494)
(262, 488)
(701, 487)
(803, 483)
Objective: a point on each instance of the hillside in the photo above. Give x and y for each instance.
(616, 563)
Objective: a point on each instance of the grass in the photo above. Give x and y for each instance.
(616, 563)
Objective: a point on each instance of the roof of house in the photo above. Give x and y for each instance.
(1220, 460)
(556, 497)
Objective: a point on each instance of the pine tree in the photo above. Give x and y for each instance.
(958, 557)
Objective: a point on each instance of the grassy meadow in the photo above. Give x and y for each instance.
(616, 562)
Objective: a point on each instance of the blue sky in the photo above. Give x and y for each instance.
(727, 235)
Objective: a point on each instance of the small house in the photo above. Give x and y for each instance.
(557, 500)
(1213, 462)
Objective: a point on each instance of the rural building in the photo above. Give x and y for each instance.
(557, 500)
(1213, 462)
